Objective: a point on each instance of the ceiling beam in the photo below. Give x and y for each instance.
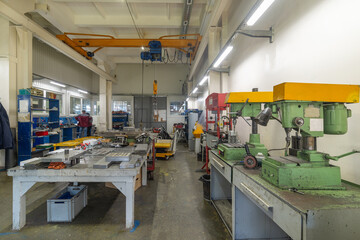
(100, 9)
(19, 19)
(168, 11)
(126, 22)
(130, 1)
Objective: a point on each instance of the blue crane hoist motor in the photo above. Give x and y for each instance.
(154, 54)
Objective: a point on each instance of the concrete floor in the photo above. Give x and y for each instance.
(170, 207)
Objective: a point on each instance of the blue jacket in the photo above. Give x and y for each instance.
(6, 139)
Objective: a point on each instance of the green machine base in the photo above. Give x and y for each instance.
(236, 151)
(292, 172)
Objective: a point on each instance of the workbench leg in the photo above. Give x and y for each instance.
(130, 203)
(127, 188)
(19, 203)
(144, 174)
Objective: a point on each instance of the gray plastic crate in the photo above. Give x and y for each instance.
(65, 210)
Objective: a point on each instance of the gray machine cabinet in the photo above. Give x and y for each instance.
(261, 210)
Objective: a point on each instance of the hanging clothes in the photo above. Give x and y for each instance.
(6, 139)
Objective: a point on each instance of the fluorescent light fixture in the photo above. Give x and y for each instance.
(82, 91)
(203, 80)
(142, 48)
(195, 90)
(187, 99)
(57, 84)
(223, 56)
(259, 12)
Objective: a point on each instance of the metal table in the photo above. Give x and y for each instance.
(123, 179)
(263, 211)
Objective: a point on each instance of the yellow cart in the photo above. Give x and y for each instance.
(164, 148)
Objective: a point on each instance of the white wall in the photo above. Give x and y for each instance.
(170, 78)
(50, 63)
(315, 41)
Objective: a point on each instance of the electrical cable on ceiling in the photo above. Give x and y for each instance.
(132, 17)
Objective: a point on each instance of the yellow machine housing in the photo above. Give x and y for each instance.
(255, 97)
(316, 92)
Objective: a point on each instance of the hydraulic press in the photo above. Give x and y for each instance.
(312, 110)
(245, 104)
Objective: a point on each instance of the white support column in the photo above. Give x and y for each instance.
(24, 56)
(213, 50)
(19, 202)
(102, 98)
(109, 104)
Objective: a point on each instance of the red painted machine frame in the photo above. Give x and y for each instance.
(215, 102)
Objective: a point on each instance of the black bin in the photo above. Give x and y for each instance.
(206, 186)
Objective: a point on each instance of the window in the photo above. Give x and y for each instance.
(124, 106)
(86, 105)
(96, 107)
(175, 107)
(75, 105)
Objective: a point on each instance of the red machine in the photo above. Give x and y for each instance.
(215, 102)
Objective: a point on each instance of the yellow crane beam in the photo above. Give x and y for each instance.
(100, 41)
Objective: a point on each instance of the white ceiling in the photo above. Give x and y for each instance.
(153, 19)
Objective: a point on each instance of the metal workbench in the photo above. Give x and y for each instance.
(220, 187)
(263, 211)
(123, 179)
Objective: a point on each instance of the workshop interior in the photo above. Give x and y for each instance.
(180, 119)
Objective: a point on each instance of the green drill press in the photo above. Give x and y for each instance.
(312, 110)
(245, 104)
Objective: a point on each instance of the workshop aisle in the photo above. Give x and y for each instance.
(170, 207)
(181, 212)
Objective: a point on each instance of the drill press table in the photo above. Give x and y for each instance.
(261, 210)
(123, 178)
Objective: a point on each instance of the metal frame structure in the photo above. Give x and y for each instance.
(188, 46)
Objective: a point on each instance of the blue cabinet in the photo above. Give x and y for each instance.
(28, 125)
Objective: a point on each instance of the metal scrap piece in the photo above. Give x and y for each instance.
(118, 157)
(102, 164)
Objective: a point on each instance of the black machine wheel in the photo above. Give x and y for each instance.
(250, 162)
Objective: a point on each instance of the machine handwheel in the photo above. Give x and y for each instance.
(250, 162)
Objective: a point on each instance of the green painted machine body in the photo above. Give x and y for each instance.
(335, 118)
(232, 152)
(309, 169)
(235, 151)
(250, 109)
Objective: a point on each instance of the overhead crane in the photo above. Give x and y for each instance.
(188, 46)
